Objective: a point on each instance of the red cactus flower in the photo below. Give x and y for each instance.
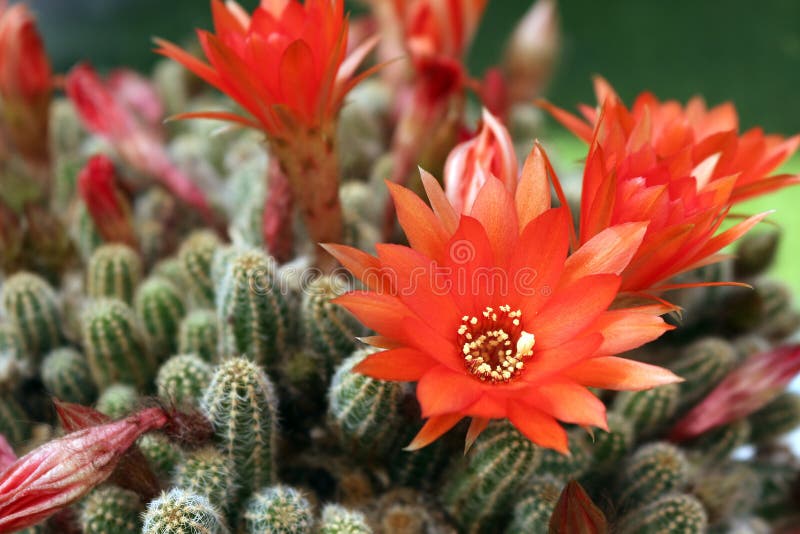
(113, 115)
(576, 513)
(469, 165)
(108, 207)
(746, 389)
(681, 170)
(492, 319)
(26, 81)
(60, 472)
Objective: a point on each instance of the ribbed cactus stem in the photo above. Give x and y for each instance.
(161, 454)
(702, 365)
(278, 510)
(181, 512)
(195, 255)
(667, 515)
(339, 520)
(198, 334)
(114, 271)
(183, 379)
(118, 400)
(777, 418)
(650, 410)
(66, 376)
(241, 404)
(30, 305)
(160, 307)
(535, 506)
(111, 510)
(14, 424)
(653, 470)
(206, 472)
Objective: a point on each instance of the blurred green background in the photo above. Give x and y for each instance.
(739, 50)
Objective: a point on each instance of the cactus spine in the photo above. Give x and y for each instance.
(30, 305)
(240, 402)
(648, 410)
(160, 308)
(339, 520)
(498, 466)
(702, 365)
(364, 410)
(610, 447)
(114, 271)
(777, 418)
(111, 510)
(206, 472)
(183, 379)
(195, 256)
(278, 510)
(66, 375)
(181, 512)
(198, 334)
(115, 345)
(118, 400)
(253, 313)
(653, 470)
(161, 454)
(535, 506)
(671, 513)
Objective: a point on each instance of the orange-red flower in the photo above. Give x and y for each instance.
(490, 316)
(678, 169)
(26, 80)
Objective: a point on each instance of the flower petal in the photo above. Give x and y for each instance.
(443, 391)
(538, 427)
(620, 374)
(433, 429)
(608, 252)
(400, 365)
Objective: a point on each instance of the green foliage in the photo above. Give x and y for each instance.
(115, 345)
(160, 307)
(206, 472)
(253, 314)
(195, 255)
(198, 334)
(364, 411)
(241, 404)
(278, 510)
(114, 271)
(649, 410)
(118, 400)
(29, 303)
(183, 379)
(181, 512)
(667, 515)
(535, 506)
(481, 491)
(653, 470)
(66, 375)
(111, 510)
(339, 520)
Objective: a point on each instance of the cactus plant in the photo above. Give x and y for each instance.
(206, 472)
(535, 506)
(338, 520)
(118, 400)
(13, 421)
(30, 305)
(114, 271)
(183, 379)
(278, 510)
(181, 512)
(653, 470)
(240, 402)
(66, 375)
(649, 410)
(777, 418)
(198, 334)
(160, 307)
(610, 447)
(702, 365)
(195, 255)
(671, 513)
(111, 510)
(115, 345)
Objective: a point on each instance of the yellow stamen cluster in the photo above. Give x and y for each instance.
(494, 344)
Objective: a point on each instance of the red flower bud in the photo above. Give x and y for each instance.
(575, 513)
(107, 206)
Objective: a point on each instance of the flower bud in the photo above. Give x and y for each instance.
(106, 204)
(532, 51)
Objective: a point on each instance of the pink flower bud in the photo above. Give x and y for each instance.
(575, 512)
(107, 206)
(60, 472)
(469, 165)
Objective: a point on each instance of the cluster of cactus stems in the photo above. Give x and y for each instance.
(194, 318)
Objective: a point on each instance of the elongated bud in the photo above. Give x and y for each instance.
(532, 51)
(60, 472)
(469, 165)
(575, 512)
(108, 207)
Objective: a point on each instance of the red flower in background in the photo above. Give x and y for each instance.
(492, 319)
(108, 207)
(121, 111)
(26, 81)
(679, 169)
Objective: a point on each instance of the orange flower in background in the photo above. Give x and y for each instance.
(469, 165)
(679, 169)
(489, 315)
(26, 80)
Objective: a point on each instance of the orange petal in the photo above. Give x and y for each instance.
(532, 197)
(608, 252)
(571, 403)
(494, 208)
(538, 427)
(382, 313)
(424, 231)
(433, 429)
(476, 426)
(624, 330)
(443, 391)
(568, 120)
(620, 374)
(399, 365)
(441, 206)
(363, 266)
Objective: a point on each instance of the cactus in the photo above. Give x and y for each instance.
(162, 455)
(118, 400)
(114, 271)
(563, 467)
(14, 423)
(111, 510)
(649, 410)
(718, 444)
(181, 512)
(669, 514)
(420, 468)
(171, 269)
(66, 375)
(12, 356)
(30, 305)
(160, 307)
(115, 345)
(195, 256)
(702, 365)
(365, 411)
(278, 510)
(240, 402)
(779, 319)
(535, 506)
(198, 334)
(610, 447)
(777, 418)
(252, 311)
(726, 490)
(339, 520)
(83, 232)
(330, 330)
(653, 470)
(183, 379)
(206, 472)
(497, 468)
(756, 252)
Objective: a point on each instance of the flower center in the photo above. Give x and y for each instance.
(494, 345)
